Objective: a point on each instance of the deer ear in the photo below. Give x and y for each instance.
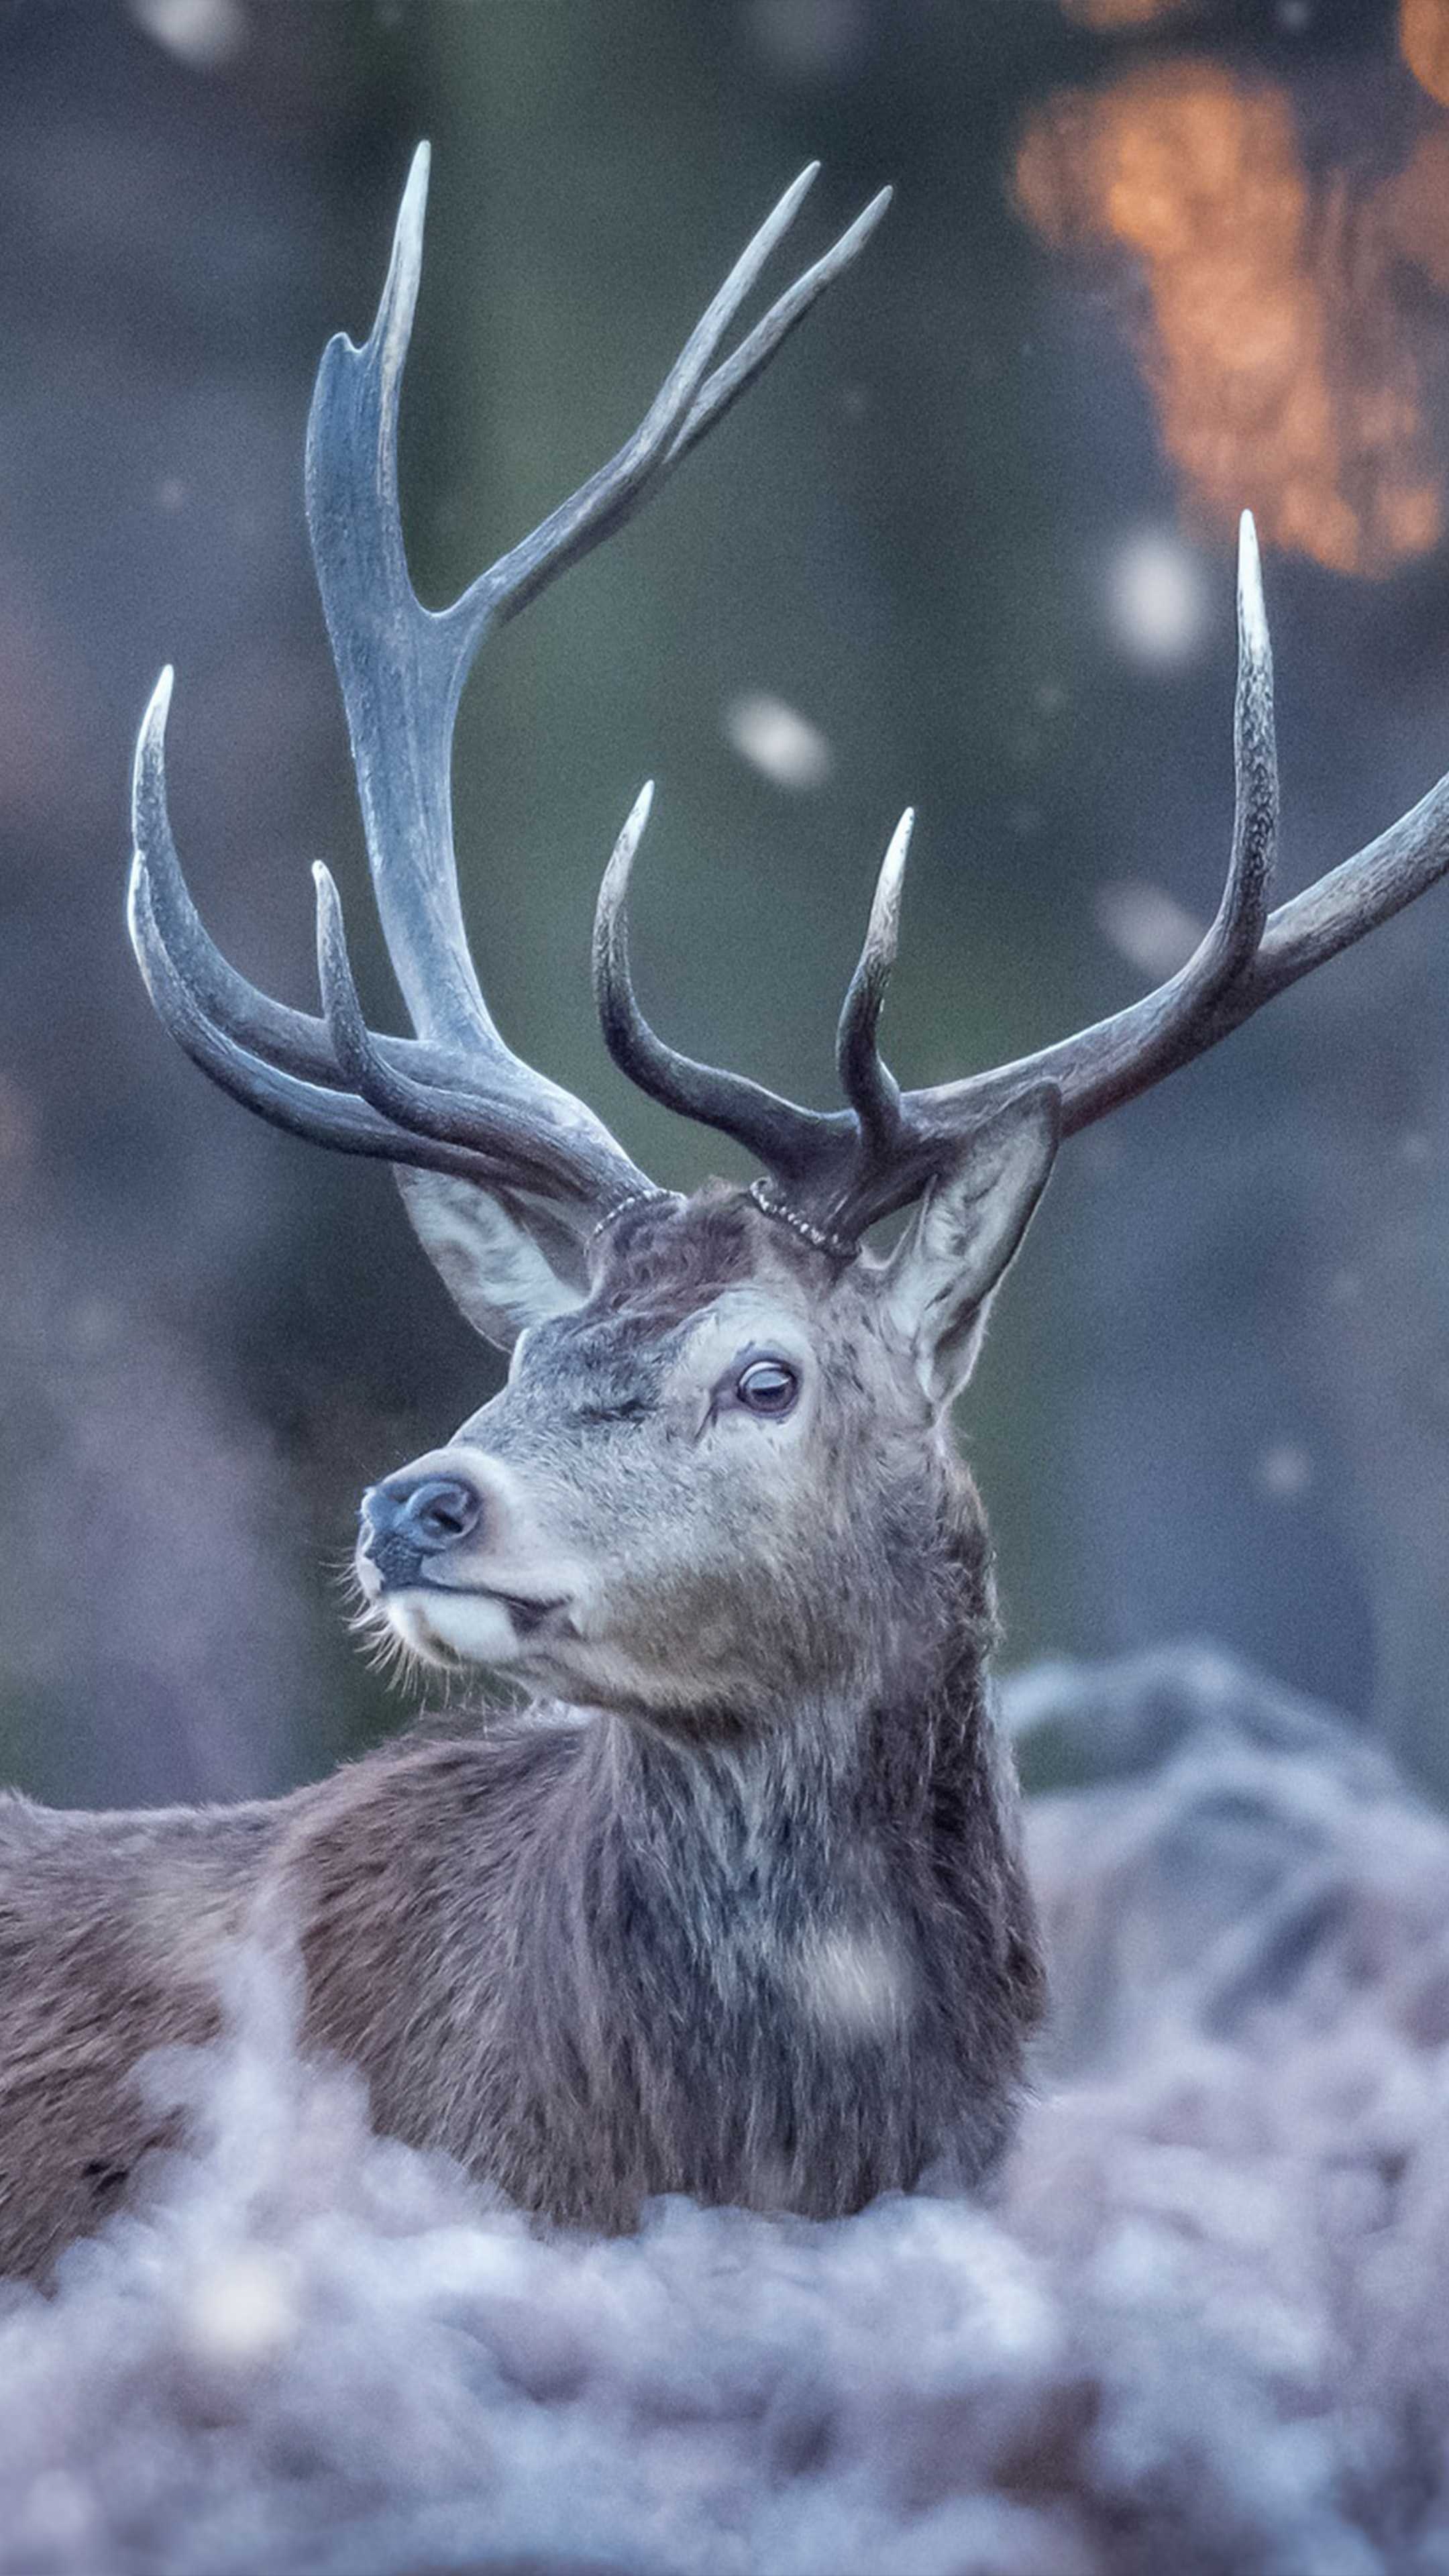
(506, 1261)
(939, 1279)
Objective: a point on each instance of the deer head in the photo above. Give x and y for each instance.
(720, 1471)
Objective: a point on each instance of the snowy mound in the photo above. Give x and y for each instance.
(1204, 2329)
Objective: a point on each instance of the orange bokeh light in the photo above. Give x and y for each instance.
(1273, 343)
(1108, 16)
(1424, 44)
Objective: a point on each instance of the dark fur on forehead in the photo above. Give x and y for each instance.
(672, 1255)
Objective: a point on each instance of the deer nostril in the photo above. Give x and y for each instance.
(441, 1512)
(435, 1513)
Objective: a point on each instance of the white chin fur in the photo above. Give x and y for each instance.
(440, 1628)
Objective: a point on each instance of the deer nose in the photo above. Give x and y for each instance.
(423, 1514)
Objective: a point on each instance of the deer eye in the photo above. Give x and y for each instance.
(767, 1386)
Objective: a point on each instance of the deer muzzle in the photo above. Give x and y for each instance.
(448, 1550)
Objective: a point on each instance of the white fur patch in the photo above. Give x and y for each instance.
(439, 1625)
(854, 1984)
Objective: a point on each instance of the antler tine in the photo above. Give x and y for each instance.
(644, 463)
(1117, 1058)
(869, 1086)
(292, 1039)
(1340, 908)
(285, 1100)
(616, 489)
(243, 1036)
(754, 353)
(520, 1149)
(784, 1137)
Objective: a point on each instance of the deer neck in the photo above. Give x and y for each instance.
(830, 1797)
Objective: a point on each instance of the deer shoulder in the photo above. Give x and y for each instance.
(112, 1930)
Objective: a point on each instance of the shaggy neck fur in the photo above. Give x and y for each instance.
(793, 1965)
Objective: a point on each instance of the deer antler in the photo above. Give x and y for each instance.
(455, 1098)
(842, 1170)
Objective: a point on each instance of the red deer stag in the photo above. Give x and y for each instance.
(735, 1905)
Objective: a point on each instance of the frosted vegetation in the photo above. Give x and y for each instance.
(1203, 2330)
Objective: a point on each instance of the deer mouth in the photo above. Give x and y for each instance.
(457, 1624)
(388, 1571)
(527, 1614)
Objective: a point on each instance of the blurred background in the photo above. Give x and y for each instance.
(968, 546)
